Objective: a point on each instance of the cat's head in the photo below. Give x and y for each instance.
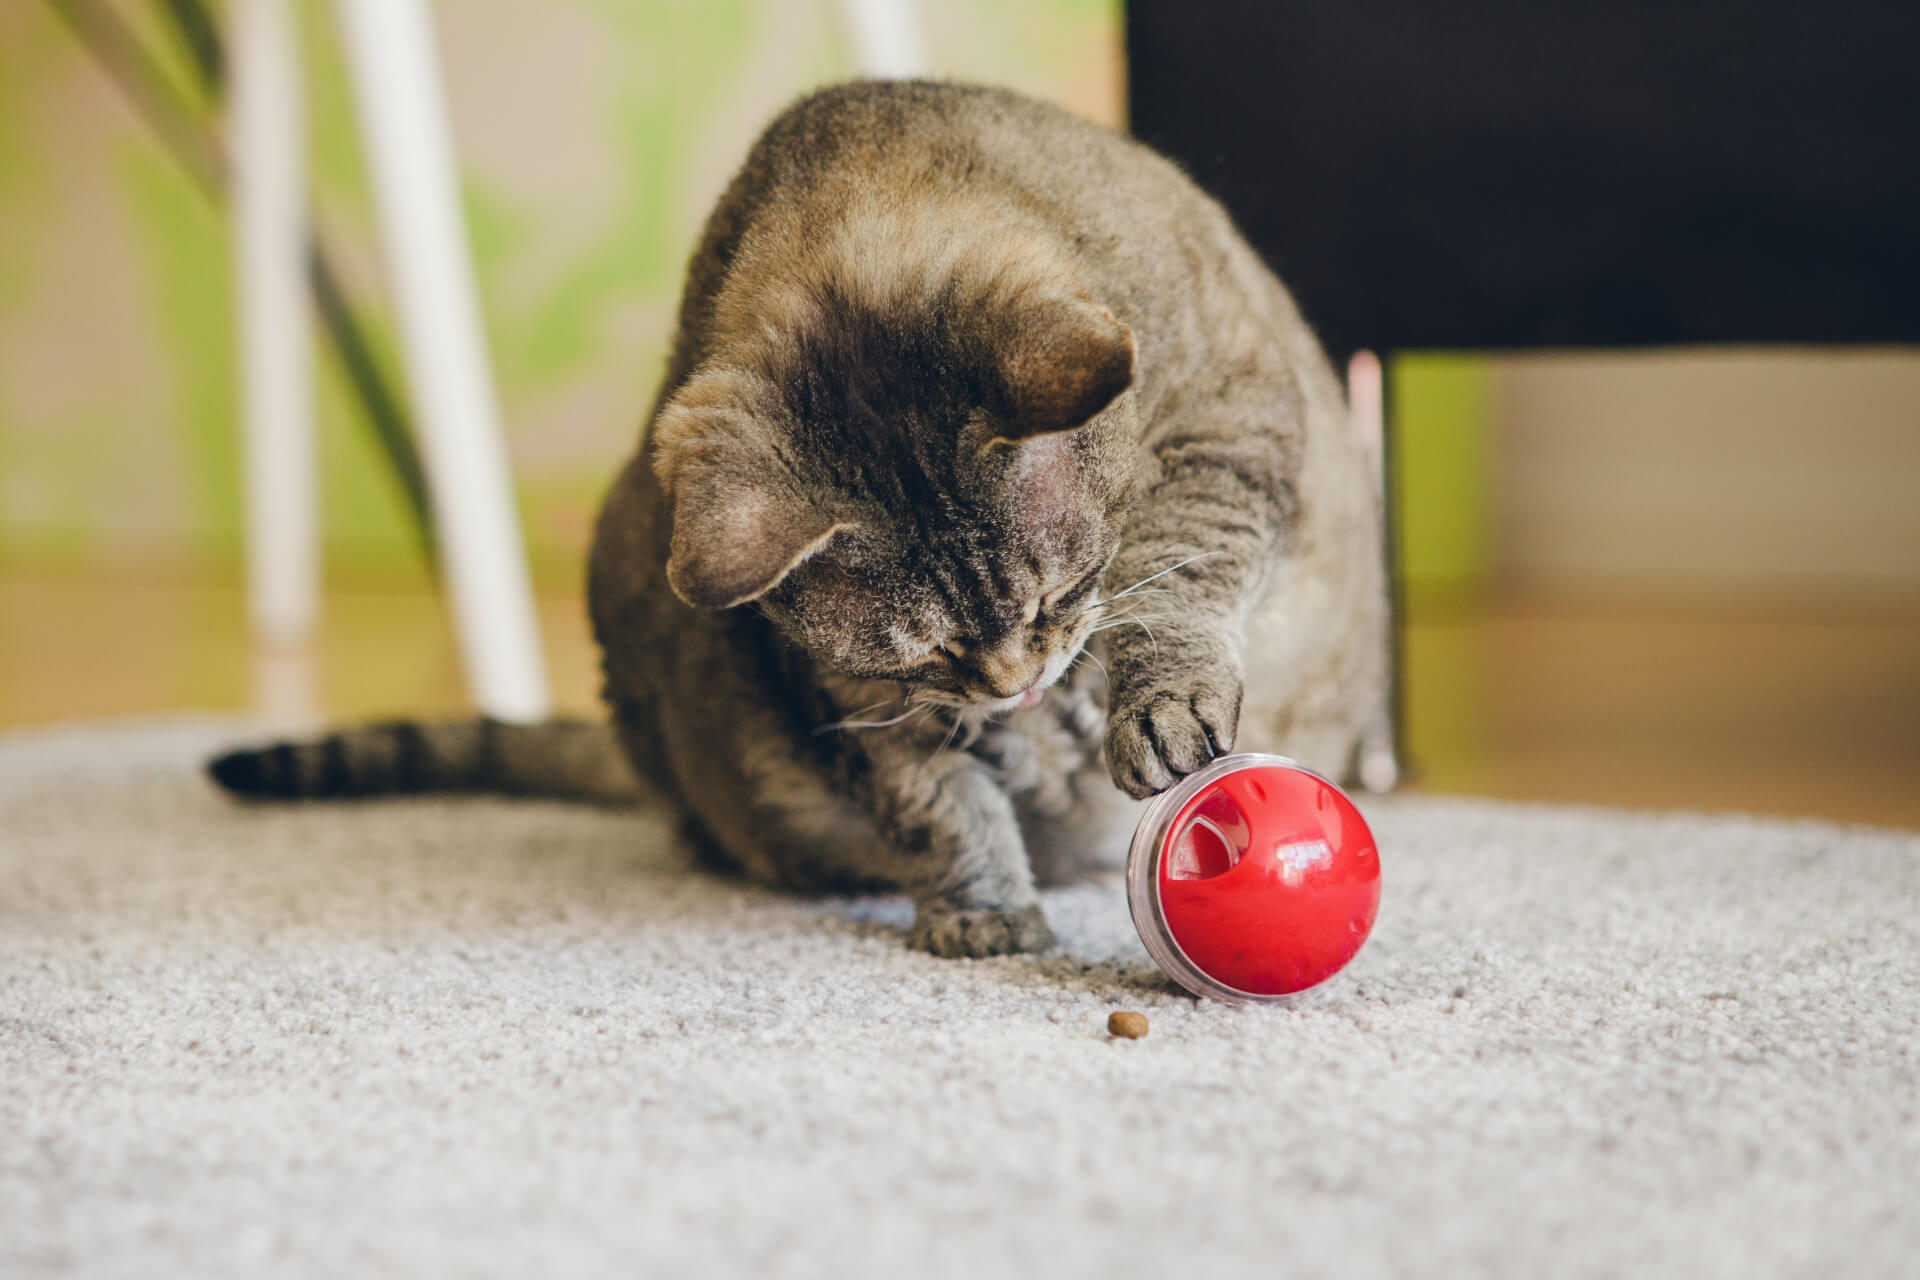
(923, 493)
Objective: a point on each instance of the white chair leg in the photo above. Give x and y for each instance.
(1378, 762)
(395, 74)
(886, 38)
(276, 371)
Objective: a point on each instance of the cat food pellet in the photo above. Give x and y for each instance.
(1127, 1025)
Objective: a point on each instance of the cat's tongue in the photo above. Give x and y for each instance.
(1031, 698)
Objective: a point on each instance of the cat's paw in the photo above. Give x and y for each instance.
(958, 933)
(1170, 730)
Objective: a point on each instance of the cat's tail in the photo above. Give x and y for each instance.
(565, 759)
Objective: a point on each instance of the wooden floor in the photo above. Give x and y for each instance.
(1710, 710)
(1529, 700)
(87, 648)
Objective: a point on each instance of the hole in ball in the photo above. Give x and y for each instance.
(1212, 841)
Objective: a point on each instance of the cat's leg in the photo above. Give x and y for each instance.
(1049, 759)
(1195, 557)
(1087, 836)
(1264, 517)
(889, 809)
(1316, 653)
(935, 822)
(958, 848)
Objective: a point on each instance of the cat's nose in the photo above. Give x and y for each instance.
(1010, 679)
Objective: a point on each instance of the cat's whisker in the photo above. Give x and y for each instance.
(948, 740)
(1163, 573)
(1136, 591)
(1123, 619)
(924, 713)
(865, 724)
(1135, 622)
(1109, 606)
(1087, 655)
(853, 721)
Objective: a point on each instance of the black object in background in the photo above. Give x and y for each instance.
(1508, 173)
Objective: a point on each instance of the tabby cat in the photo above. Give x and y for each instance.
(994, 486)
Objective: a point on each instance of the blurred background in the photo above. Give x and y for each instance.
(1673, 578)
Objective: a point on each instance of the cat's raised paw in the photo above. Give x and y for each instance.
(1156, 740)
(960, 933)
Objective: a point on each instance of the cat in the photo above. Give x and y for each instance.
(995, 485)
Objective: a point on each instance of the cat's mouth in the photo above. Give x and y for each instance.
(1036, 692)
(972, 704)
(1029, 698)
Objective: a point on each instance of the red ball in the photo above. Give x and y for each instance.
(1253, 879)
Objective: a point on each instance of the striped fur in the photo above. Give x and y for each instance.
(947, 355)
(567, 759)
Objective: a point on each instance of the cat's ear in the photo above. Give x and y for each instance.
(1063, 363)
(732, 547)
(741, 521)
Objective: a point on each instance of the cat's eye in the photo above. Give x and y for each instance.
(954, 649)
(1072, 592)
(1032, 610)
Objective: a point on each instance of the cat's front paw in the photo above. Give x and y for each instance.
(956, 933)
(1165, 732)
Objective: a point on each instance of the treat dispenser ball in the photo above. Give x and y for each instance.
(1253, 879)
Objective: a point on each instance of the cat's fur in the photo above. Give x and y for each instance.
(968, 398)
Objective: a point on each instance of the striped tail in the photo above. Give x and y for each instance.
(566, 759)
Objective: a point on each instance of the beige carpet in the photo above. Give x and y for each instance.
(495, 1039)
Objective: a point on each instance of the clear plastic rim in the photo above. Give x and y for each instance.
(1143, 880)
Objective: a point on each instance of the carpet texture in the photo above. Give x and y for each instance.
(487, 1038)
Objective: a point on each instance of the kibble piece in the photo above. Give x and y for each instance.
(1127, 1024)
